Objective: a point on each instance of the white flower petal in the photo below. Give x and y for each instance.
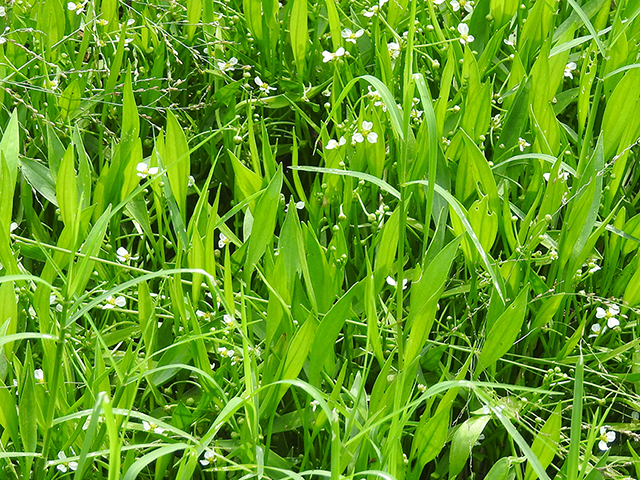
(602, 445)
(613, 322)
(463, 28)
(331, 144)
(614, 309)
(600, 312)
(372, 137)
(367, 125)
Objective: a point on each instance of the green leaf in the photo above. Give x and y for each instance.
(10, 146)
(459, 210)
(90, 248)
(463, 442)
(328, 331)
(546, 443)
(430, 438)
(194, 10)
(176, 160)
(67, 189)
(28, 404)
(264, 223)
(500, 470)
(425, 294)
(69, 101)
(39, 178)
(503, 333)
(299, 32)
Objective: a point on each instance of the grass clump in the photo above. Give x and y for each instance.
(344, 239)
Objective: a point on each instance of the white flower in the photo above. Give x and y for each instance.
(131, 21)
(464, 4)
(124, 256)
(223, 241)
(114, 302)
(553, 255)
(374, 9)
(606, 437)
(372, 137)
(204, 315)
(568, 70)
(228, 66)
(438, 2)
(144, 170)
(300, 204)
(329, 56)
(209, 458)
(64, 466)
(564, 176)
(225, 352)
(422, 388)
(13, 227)
(350, 36)
(228, 320)
(39, 375)
(522, 144)
(391, 281)
(394, 50)
(609, 314)
(596, 328)
(465, 38)
(511, 41)
(331, 144)
(152, 427)
(77, 7)
(264, 87)
(3, 12)
(314, 404)
(103, 22)
(594, 267)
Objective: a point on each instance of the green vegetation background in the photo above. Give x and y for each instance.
(337, 239)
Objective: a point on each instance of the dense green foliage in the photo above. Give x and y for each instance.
(303, 240)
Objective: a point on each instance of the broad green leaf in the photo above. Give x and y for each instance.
(503, 333)
(264, 223)
(246, 182)
(297, 353)
(8, 314)
(430, 438)
(10, 146)
(463, 442)
(299, 33)
(69, 101)
(67, 189)
(500, 470)
(328, 331)
(27, 404)
(546, 443)
(90, 248)
(387, 249)
(8, 415)
(194, 10)
(176, 161)
(425, 294)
